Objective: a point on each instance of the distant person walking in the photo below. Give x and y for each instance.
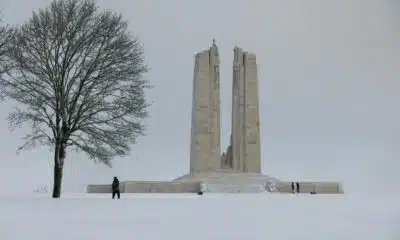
(298, 187)
(293, 187)
(115, 188)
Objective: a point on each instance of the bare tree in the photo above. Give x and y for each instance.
(5, 40)
(78, 74)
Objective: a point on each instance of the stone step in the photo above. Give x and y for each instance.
(232, 188)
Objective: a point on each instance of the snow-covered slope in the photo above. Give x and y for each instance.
(193, 217)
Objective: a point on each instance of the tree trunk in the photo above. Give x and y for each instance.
(58, 173)
(59, 157)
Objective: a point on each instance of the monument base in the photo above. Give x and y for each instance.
(223, 181)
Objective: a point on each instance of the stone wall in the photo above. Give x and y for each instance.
(103, 188)
(308, 187)
(162, 187)
(215, 186)
(232, 188)
(147, 187)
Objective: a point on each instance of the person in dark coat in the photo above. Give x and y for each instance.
(115, 188)
(298, 187)
(293, 187)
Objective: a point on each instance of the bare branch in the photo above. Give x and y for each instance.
(78, 72)
(5, 40)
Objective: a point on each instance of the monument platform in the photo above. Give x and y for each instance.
(243, 155)
(223, 181)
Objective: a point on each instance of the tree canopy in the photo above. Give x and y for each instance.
(78, 74)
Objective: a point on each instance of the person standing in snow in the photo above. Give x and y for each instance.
(115, 188)
(298, 187)
(293, 187)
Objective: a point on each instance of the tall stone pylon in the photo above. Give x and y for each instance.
(205, 147)
(245, 143)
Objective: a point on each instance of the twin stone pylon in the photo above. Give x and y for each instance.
(243, 153)
(238, 170)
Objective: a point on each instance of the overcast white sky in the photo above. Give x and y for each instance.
(328, 77)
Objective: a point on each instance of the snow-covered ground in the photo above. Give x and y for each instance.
(207, 217)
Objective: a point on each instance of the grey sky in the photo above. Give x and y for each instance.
(328, 88)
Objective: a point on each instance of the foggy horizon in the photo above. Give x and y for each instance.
(328, 89)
